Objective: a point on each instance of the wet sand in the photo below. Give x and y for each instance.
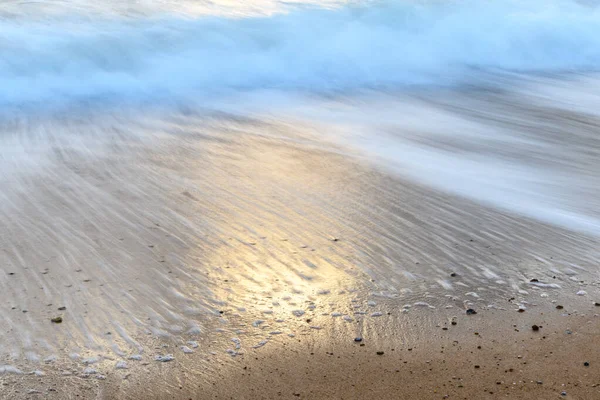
(266, 251)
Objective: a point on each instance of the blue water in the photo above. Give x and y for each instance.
(73, 55)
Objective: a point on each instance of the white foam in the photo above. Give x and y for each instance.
(9, 369)
(165, 358)
(359, 45)
(186, 350)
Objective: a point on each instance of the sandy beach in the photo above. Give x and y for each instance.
(206, 255)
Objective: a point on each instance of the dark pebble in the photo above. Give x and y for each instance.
(563, 394)
(56, 320)
(454, 274)
(559, 307)
(308, 320)
(535, 327)
(358, 339)
(597, 304)
(470, 311)
(380, 353)
(477, 367)
(521, 310)
(453, 322)
(62, 308)
(586, 364)
(534, 280)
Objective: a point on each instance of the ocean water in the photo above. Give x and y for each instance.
(73, 53)
(149, 173)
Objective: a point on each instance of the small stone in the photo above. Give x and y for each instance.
(56, 320)
(62, 308)
(535, 328)
(454, 274)
(559, 307)
(477, 367)
(380, 353)
(534, 280)
(358, 339)
(563, 393)
(597, 304)
(470, 311)
(539, 382)
(586, 364)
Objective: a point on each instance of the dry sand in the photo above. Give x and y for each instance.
(271, 252)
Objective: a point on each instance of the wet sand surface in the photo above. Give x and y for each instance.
(254, 253)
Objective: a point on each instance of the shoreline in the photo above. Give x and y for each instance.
(190, 234)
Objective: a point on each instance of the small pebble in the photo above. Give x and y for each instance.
(586, 364)
(56, 320)
(535, 327)
(470, 311)
(380, 353)
(358, 339)
(559, 307)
